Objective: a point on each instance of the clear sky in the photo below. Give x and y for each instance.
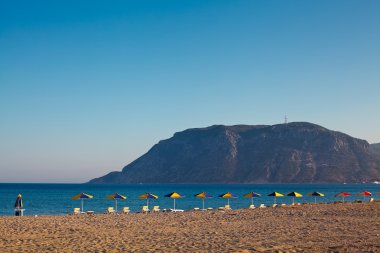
(88, 86)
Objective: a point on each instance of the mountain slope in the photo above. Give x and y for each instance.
(286, 153)
(375, 148)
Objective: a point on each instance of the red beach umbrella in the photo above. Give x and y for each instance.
(343, 194)
(365, 194)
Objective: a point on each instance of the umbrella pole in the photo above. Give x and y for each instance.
(293, 201)
(82, 204)
(116, 205)
(147, 202)
(315, 200)
(174, 204)
(203, 204)
(343, 199)
(228, 201)
(251, 200)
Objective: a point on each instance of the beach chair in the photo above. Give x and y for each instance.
(76, 210)
(274, 205)
(283, 204)
(196, 209)
(110, 210)
(156, 209)
(251, 207)
(126, 210)
(209, 209)
(227, 207)
(262, 206)
(145, 209)
(371, 200)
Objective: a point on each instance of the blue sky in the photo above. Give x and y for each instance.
(88, 86)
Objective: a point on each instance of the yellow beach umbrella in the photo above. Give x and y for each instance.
(275, 195)
(116, 196)
(252, 195)
(228, 196)
(148, 196)
(203, 196)
(294, 195)
(315, 195)
(82, 196)
(174, 196)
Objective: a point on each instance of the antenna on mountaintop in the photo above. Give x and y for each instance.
(286, 119)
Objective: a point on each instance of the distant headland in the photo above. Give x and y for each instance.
(297, 152)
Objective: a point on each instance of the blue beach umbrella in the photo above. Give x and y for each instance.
(82, 196)
(252, 195)
(174, 195)
(19, 204)
(116, 197)
(228, 196)
(203, 196)
(148, 196)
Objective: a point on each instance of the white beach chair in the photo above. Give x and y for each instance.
(156, 209)
(251, 207)
(126, 210)
(110, 210)
(262, 206)
(76, 210)
(145, 209)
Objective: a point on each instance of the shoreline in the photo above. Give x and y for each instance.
(311, 228)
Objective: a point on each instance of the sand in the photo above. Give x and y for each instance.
(349, 227)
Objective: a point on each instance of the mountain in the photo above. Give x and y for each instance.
(296, 152)
(375, 148)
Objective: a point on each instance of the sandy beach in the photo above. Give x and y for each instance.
(349, 227)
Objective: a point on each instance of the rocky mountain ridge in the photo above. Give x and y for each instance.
(298, 152)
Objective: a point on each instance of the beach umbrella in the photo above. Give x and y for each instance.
(275, 195)
(228, 196)
(148, 196)
(365, 194)
(343, 194)
(315, 195)
(174, 196)
(116, 196)
(82, 196)
(19, 204)
(203, 196)
(252, 195)
(294, 195)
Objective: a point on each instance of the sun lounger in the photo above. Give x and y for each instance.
(371, 200)
(209, 209)
(251, 207)
(176, 210)
(262, 206)
(274, 205)
(196, 209)
(227, 207)
(126, 210)
(110, 210)
(76, 210)
(283, 204)
(156, 209)
(145, 209)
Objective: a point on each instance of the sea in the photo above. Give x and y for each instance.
(55, 199)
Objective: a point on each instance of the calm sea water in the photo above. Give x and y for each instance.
(44, 199)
